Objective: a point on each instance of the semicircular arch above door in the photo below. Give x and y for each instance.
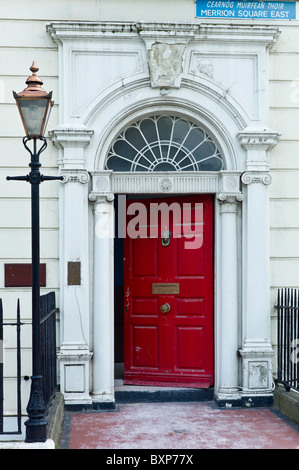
(164, 143)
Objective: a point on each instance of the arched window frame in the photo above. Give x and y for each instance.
(164, 142)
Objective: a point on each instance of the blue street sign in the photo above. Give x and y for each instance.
(243, 10)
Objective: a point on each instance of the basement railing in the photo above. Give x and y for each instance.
(288, 338)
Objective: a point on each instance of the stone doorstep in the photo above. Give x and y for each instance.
(287, 402)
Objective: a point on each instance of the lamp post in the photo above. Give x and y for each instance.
(34, 105)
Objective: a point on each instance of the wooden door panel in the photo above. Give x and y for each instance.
(142, 248)
(185, 260)
(188, 306)
(145, 306)
(145, 346)
(173, 348)
(190, 348)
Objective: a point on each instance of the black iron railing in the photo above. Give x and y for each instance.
(48, 345)
(288, 338)
(17, 324)
(48, 357)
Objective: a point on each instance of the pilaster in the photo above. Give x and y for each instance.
(75, 345)
(256, 351)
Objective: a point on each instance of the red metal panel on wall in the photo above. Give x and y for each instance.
(19, 275)
(172, 348)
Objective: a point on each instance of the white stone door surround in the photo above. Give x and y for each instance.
(111, 75)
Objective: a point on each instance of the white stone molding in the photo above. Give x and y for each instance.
(253, 139)
(241, 34)
(68, 31)
(65, 137)
(177, 32)
(181, 182)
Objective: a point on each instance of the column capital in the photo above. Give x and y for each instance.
(100, 198)
(75, 176)
(256, 177)
(229, 201)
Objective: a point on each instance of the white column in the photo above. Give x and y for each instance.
(103, 299)
(228, 317)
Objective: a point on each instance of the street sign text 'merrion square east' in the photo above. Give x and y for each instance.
(246, 10)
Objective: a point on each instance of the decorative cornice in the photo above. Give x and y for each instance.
(173, 31)
(68, 137)
(253, 139)
(256, 177)
(240, 33)
(118, 29)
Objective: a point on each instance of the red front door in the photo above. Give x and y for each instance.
(168, 275)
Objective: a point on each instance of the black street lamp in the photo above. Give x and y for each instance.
(35, 105)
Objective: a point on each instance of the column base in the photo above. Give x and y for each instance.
(74, 376)
(102, 398)
(257, 377)
(246, 401)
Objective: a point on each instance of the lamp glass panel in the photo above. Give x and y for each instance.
(33, 112)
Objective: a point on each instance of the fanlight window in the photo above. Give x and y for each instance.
(164, 143)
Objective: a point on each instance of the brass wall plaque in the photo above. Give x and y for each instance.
(167, 288)
(74, 273)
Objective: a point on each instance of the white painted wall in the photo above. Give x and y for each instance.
(23, 38)
(284, 190)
